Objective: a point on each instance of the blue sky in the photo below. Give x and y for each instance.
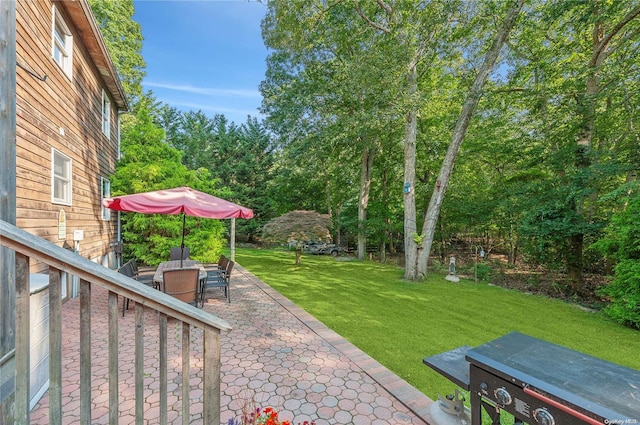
(204, 55)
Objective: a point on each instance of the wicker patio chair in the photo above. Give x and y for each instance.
(182, 284)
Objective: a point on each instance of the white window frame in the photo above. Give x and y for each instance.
(105, 192)
(106, 114)
(118, 134)
(61, 43)
(62, 180)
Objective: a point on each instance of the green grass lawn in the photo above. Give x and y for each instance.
(399, 323)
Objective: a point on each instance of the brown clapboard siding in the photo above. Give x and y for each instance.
(65, 114)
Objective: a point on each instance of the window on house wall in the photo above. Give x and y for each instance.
(105, 193)
(106, 114)
(118, 130)
(62, 43)
(61, 178)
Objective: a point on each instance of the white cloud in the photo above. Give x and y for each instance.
(216, 108)
(206, 91)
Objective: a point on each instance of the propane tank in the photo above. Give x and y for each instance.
(450, 410)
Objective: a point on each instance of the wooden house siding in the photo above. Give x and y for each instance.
(65, 114)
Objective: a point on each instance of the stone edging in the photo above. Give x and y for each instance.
(404, 392)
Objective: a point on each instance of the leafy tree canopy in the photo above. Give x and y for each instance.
(123, 37)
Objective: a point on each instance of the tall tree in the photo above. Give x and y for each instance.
(243, 163)
(611, 29)
(412, 27)
(459, 133)
(198, 138)
(575, 62)
(324, 83)
(123, 37)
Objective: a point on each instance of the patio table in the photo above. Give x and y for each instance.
(158, 277)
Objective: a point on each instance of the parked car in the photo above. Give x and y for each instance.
(322, 248)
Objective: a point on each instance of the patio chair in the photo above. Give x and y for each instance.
(182, 284)
(221, 264)
(128, 269)
(175, 252)
(218, 279)
(134, 266)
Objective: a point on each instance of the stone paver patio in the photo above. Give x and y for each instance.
(276, 355)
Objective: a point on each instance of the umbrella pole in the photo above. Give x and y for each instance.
(184, 218)
(232, 240)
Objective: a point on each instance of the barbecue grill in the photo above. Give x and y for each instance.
(541, 383)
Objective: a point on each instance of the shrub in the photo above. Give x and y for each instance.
(624, 294)
(482, 271)
(437, 266)
(621, 243)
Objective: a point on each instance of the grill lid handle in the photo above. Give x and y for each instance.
(562, 407)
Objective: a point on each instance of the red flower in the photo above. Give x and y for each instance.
(266, 416)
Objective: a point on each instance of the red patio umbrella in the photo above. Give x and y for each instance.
(180, 200)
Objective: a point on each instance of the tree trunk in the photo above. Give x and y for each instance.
(588, 108)
(386, 233)
(365, 187)
(574, 263)
(574, 257)
(335, 237)
(329, 197)
(410, 225)
(511, 259)
(433, 210)
(338, 229)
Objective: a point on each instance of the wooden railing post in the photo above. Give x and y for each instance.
(55, 346)
(113, 345)
(139, 366)
(23, 341)
(85, 352)
(211, 366)
(162, 337)
(186, 373)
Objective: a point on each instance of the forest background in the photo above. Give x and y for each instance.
(524, 114)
